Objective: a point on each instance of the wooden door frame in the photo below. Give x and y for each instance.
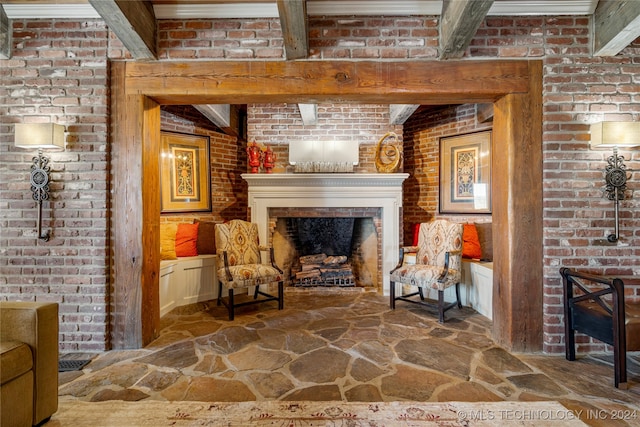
(514, 86)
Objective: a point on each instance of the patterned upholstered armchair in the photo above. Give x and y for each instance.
(239, 263)
(437, 266)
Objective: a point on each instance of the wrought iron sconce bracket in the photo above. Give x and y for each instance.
(615, 175)
(39, 179)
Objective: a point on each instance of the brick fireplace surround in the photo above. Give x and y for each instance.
(332, 190)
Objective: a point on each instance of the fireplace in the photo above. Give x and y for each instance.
(344, 195)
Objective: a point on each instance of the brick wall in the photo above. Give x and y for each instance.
(280, 125)
(422, 133)
(58, 72)
(227, 159)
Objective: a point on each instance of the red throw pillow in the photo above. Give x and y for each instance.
(186, 238)
(471, 244)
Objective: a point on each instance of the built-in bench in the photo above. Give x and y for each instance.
(187, 280)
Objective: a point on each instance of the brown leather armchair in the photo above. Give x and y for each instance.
(28, 362)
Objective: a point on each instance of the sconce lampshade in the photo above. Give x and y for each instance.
(39, 135)
(615, 134)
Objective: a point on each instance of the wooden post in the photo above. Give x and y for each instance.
(135, 223)
(517, 218)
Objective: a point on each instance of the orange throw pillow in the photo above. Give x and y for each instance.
(471, 244)
(186, 239)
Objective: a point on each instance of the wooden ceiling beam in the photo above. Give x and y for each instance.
(6, 31)
(295, 31)
(399, 113)
(459, 22)
(616, 25)
(225, 116)
(133, 22)
(308, 113)
(314, 82)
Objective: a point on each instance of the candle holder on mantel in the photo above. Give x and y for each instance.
(255, 156)
(269, 160)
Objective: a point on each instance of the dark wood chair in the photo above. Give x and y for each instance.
(595, 306)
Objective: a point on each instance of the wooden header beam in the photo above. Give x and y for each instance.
(314, 82)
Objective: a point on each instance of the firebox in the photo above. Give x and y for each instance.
(377, 196)
(328, 251)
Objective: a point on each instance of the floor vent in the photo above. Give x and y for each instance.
(71, 365)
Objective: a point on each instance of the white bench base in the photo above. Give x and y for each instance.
(187, 280)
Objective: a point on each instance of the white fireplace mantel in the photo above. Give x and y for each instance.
(332, 190)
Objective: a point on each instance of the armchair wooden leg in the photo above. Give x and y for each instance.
(219, 292)
(280, 295)
(421, 292)
(440, 306)
(392, 295)
(458, 295)
(255, 293)
(231, 314)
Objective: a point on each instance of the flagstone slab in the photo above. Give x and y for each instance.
(364, 371)
(363, 393)
(211, 364)
(120, 375)
(271, 385)
(375, 351)
(231, 339)
(467, 392)
(259, 359)
(438, 355)
(538, 383)
(412, 383)
(320, 366)
(158, 380)
(178, 355)
(127, 395)
(502, 362)
(318, 393)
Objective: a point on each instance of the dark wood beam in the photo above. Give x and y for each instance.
(295, 31)
(459, 22)
(133, 22)
(6, 32)
(615, 25)
(315, 82)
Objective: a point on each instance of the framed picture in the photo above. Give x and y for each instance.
(465, 173)
(184, 173)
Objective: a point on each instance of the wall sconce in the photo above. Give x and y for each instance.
(614, 135)
(40, 136)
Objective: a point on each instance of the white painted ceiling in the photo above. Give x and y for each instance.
(268, 9)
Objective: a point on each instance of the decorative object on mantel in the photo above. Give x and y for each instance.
(255, 156)
(388, 155)
(615, 134)
(269, 160)
(323, 167)
(323, 156)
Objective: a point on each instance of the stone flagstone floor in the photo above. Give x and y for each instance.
(347, 346)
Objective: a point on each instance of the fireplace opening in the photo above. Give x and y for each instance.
(327, 251)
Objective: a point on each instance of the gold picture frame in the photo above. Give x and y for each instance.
(465, 173)
(185, 173)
